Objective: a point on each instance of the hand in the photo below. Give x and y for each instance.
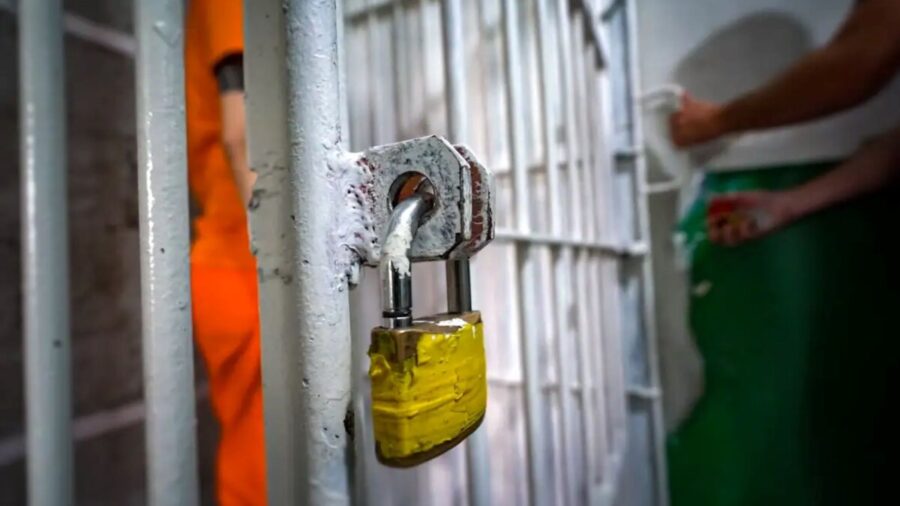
(735, 218)
(696, 122)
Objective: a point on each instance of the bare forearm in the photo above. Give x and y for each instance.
(234, 139)
(815, 87)
(875, 166)
(852, 67)
(244, 178)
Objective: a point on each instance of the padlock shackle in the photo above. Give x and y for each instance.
(396, 270)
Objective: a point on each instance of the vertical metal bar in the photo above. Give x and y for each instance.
(523, 283)
(426, 63)
(585, 143)
(356, 463)
(586, 369)
(514, 80)
(599, 372)
(323, 307)
(649, 295)
(165, 267)
(572, 35)
(600, 144)
(375, 85)
(45, 259)
(273, 239)
(610, 233)
(525, 280)
(607, 289)
(548, 52)
(459, 291)
(565, 358)
(455, 71)
(400, 50)
(597, 278)
(342, 79)
(592, 330)
(564, 21)
(599, 324)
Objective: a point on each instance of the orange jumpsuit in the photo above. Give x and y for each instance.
(223, 271)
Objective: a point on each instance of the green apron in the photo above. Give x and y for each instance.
(800, 333)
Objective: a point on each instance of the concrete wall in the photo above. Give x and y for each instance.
(105, 292)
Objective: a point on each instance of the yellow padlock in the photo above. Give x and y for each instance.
(429, 386)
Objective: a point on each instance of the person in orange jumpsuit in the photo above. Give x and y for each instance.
(223, 270)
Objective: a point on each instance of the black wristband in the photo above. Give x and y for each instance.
(230, 73)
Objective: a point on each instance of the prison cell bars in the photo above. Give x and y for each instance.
(595, 271)
(168, 359)
(576, 250)
(157, 27)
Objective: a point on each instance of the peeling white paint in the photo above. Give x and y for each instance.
(453, 322)
(395, 249)
(353, 236)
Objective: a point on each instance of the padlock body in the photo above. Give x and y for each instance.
(429, 386)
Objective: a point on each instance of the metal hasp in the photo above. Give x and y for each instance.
(165, 267)
(460, 222)
(45, 259)
(449, 215)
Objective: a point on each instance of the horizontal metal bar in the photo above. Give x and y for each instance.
(547, 386)
(372, 7)
(633, 250)
(628, 153)
(664, 187)
(96, 33)
(88, 427)
(87, 30)
(644, 393)
(502, 171)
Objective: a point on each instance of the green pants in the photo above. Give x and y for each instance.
(800, 333)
